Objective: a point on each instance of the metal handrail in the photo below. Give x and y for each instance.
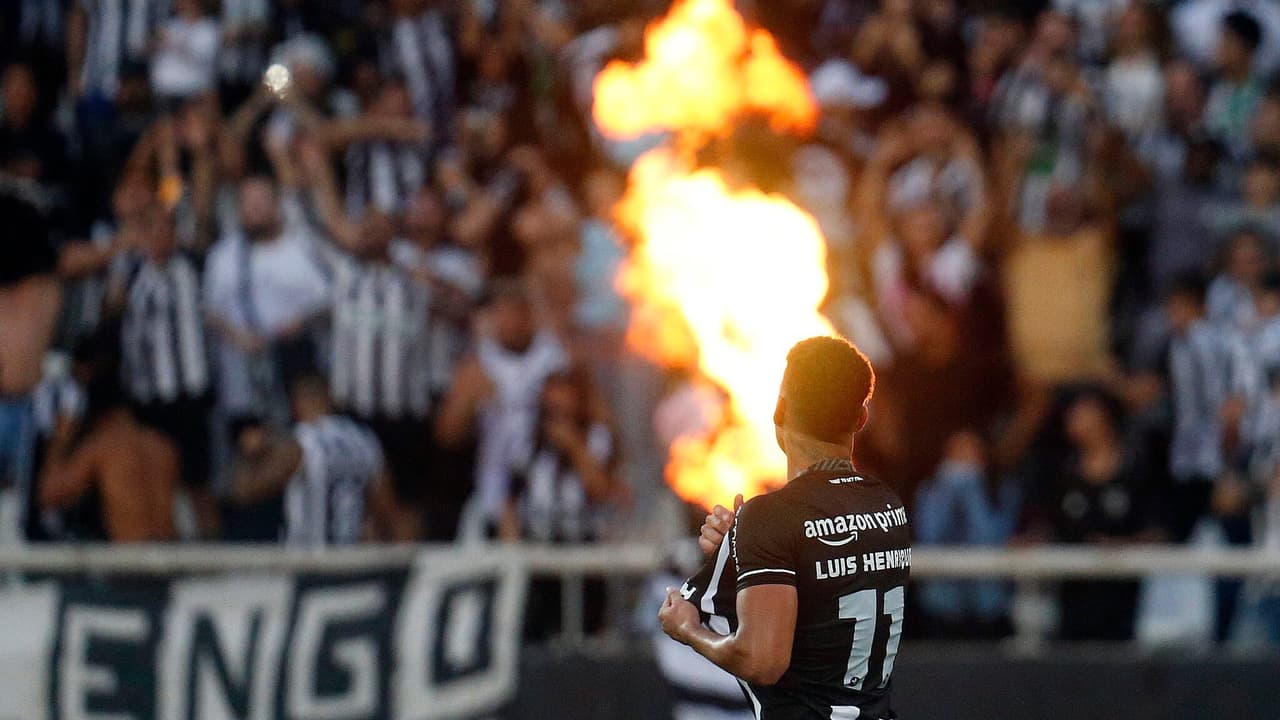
(1037, 563)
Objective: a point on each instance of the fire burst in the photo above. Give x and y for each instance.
(723, 279)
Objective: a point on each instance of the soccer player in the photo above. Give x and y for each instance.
(803, 597)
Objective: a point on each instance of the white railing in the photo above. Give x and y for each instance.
(1031, 569)
(1038, 563)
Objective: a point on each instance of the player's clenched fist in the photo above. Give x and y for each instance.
(677, 615)
(717, 526)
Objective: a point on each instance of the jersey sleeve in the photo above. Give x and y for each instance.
(763, 550)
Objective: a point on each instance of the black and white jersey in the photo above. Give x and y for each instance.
(699, 689)
(462, 273)
(1265, 343)
(383, 174)
(58, 398)
(1208, 364)
(419, 49)
(162, 333)
(552, 500)
(118, 32)
(381, 365)
(509, 419)
(324, 502)
(842, 540)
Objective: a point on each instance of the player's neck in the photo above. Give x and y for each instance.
(803, 452)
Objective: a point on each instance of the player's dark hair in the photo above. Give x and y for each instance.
(1244, 27)
(827, 381)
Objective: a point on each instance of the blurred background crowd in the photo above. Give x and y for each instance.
(322, 271)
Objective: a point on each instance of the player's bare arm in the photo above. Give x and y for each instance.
(759, 651)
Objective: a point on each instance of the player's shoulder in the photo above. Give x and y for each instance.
(765, 504)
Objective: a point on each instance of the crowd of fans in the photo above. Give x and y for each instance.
(345, 268)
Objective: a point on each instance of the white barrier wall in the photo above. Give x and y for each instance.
(438, 638)
(413, 633)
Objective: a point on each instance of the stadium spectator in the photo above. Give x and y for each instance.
(1265, 336)
(1231, 300)
(1179, 234)
(928, 180)
(331, 474)
(104, 37)
(262, 289)
(420, 48)
(1195, 26)
(29, 300)
(1133, 88)
(1258, 206)
(1238, 87)
(1058, 283)
(108, 140)
(243, 30)
(1101, 494)
(963, 504)
(495, 395)
(58, 406)
(165, 356)
(381, 327)
(453, 273)
(1045, 104)
(385, 152)
(1212, 382)
(185, 59)
(570, 477)
(178, 151)
(563, 491)
(942, 387)
(29, 146)
(114, 479)
(258, 450)
(36, 29)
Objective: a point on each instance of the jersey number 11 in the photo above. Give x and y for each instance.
(860, 607)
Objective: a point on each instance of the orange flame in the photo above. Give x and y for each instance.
(703, 69)
(722, 279)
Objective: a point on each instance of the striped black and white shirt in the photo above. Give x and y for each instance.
(324, 502)
(508, 421)
(419, 49)
(118, 31)
(553, 503)
(1208, 365)
(165, 355)
(1265, 341)
(381, 364)
(382, 175)
(58, 398)
(460, 270)
(700, 690)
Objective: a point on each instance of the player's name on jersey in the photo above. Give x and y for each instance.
(871, 562)
(843, 529)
